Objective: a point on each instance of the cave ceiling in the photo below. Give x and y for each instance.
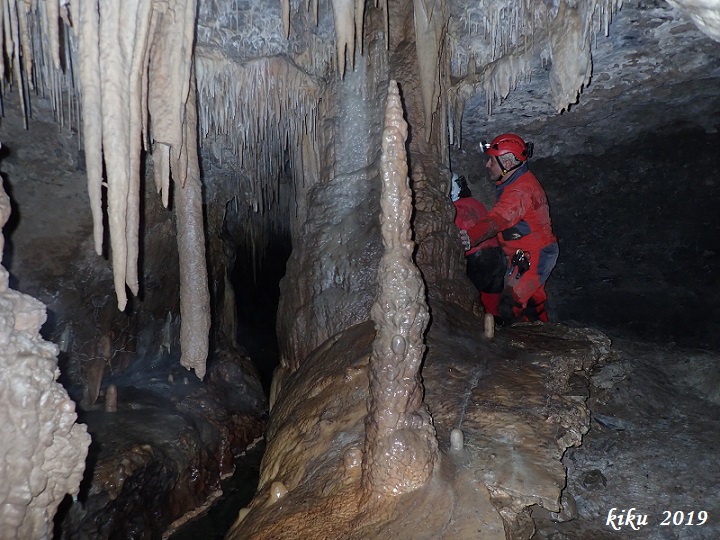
(576, 78)
(650, 65)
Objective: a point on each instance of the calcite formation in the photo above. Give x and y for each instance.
(42, 448)
(400, 445)
(352, 450)
(137, 93)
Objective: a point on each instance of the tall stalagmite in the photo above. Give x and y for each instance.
(400, 444)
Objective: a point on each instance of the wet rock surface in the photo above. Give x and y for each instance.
(652, 447)
(158, 461)
(639, 260)
(518, 399)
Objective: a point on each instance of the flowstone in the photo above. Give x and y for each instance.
(519, 400)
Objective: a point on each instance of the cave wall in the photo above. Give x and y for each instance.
(641, 220)
(331, 275)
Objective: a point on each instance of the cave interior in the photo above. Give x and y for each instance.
(212, 311)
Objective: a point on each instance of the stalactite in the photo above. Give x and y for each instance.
(116, 41)
(194, 292)
(386, 21)
(703, 14)
(509, 29)
(285, 8)
(138, 111)
(428, 39)
(170, 68)
(161, 171)
(23, 9)
(570, 53)
(359, 25)
(53, 30)
(87, 20)
(12, 41)
(118, 76)
(344, 16)
(502, 76)
(3, 21)
(260, 111)
(400, 442)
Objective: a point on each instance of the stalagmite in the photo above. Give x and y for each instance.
(428, 39)
(277, 492)
(111, 399)
(43, 449)
(457, 439)
(489, 326)
(400, 442)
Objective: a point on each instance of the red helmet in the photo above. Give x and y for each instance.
(508, 143)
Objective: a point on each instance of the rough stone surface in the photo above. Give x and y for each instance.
(42, 447)
(512, 454)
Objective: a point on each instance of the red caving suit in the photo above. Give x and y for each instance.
(522, 217)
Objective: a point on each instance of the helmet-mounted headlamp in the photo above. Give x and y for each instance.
(508, 143)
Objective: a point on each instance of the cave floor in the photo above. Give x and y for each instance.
(652, 446)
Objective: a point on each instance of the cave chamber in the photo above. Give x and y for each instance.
(230, 268)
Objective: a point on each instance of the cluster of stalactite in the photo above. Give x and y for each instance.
(136, 78)
(515, 33)
(349, 19)
(261, 111)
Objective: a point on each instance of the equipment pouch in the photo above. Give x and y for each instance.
(521, 260)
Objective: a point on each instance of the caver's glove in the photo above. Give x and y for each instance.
(465, 239)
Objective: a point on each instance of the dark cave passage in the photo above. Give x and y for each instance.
(639, 237)
(256, 282)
